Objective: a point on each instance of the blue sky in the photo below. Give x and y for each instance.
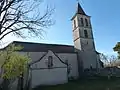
(105, 18)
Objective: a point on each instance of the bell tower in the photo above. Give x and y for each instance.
(83, 39)
(82, 30)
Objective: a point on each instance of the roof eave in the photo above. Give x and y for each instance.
(78, 14)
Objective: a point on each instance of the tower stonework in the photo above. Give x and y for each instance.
(83, 40)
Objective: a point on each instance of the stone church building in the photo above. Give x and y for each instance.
(54, 64)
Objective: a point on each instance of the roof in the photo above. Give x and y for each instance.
(79, 11)
(42, 47)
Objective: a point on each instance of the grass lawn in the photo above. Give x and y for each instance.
(98, 84)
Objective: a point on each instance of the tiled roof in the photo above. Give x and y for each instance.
(42, 47)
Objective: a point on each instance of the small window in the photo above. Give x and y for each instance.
(82, 24)
(50, 62)
(79, 23)
(86, 33)
(74, 24)
(66, 61)
(86, 21)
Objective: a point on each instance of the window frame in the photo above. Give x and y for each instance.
(85, 33)
(82, 22)
(86, 22)
(50, 61)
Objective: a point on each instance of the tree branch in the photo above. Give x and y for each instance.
(16, 17)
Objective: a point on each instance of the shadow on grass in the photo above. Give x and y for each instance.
(86, 84)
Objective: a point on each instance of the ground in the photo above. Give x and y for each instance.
(96, 84)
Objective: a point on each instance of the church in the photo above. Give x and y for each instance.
(54, 63)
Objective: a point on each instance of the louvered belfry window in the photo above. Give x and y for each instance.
(86, 33)
(82, 23)
(86, 21)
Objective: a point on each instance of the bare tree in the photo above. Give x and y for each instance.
(22, 18)
(109, 60)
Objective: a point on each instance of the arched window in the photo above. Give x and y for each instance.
(50, 62)
(85, 33)
(74, 24)
(82, 24)
(86, 21)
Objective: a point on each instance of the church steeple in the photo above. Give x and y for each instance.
(80, 10)
(83, 39)
(82, 30)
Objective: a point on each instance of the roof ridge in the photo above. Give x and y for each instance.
(41, 43)
(43, 47)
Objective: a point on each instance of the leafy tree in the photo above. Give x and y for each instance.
(23, 18)
(117, 49)
(14, 64)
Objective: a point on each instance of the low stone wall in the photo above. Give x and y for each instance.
(110, 71)
(103, 72)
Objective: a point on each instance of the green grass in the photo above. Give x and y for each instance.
(99, 84)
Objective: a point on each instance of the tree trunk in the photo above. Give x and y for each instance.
(4, 85)
(20, 82)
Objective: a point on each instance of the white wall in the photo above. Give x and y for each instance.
(42, 63)
(72, 60)
(55, 75)
(49, 76)
(89, 58)
(41, 75)
(71, 57)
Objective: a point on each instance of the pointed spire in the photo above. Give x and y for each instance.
(80, 10)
